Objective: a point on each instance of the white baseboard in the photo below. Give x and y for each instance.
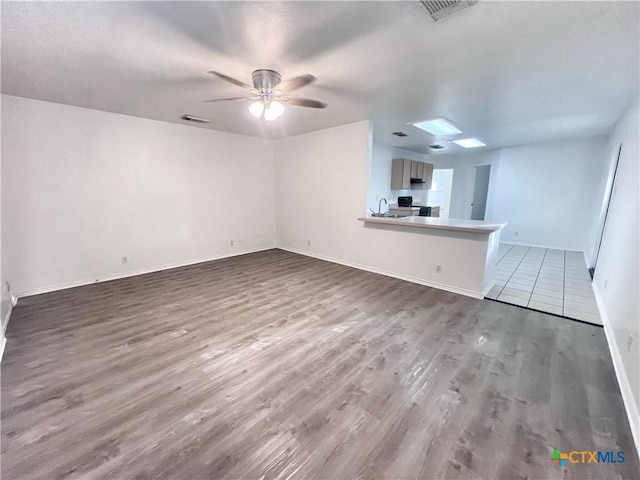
(133, 273)
(3, 328)
(5, 321)
(633, 412)
(440, 286)
(3, 342)
(536, 245)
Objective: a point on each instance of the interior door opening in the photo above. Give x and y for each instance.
(480, 192)
(592, 270)
(440, 193)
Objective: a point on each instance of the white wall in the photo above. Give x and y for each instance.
(464, 176)
(440, 192)
(616, 281)
(5, 306)
(550, 193)
(82, 188)
(326, 173)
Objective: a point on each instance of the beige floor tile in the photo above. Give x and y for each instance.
(542, 283)
(513, 292)
(551, 278)
(579, 286)
(590, 299)
(581, 306)
(545, 307)
(493, 295)
(557, 293)
(578, 292)
(523, 284)
(522, 302)
(556, 301)
(587, 317)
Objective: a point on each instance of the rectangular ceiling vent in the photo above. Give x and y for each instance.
(439, 9)
(400, 134)
(191, 118)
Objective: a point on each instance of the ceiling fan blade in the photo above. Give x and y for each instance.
(306, 102)
(296, 83)
(231, 80)
(227, 99)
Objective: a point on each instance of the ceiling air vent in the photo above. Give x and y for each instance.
(191, 118)
(439, 9)
(436, 147)
(400, 134)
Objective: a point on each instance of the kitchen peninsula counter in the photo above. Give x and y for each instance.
(449, 254)
(470, 226)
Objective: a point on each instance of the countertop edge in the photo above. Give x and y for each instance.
(398, 222)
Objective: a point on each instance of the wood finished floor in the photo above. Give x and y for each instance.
(279, 365)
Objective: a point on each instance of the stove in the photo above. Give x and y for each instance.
(406, 202)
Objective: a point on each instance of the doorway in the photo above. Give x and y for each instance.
(609, 194)
(480, 192)
(440, 193)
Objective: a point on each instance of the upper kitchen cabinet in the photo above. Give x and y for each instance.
(427, 176)
(410, 174)
(401, 174)
(415, 169)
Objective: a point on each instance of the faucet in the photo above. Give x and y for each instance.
(380, 204)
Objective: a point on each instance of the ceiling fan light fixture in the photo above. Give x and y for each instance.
(273, 111)
(277, 108)
(267, 101)
(256, 108)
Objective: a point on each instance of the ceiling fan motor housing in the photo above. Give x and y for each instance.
(265, 80)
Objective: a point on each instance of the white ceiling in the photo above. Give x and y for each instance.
(506, 72)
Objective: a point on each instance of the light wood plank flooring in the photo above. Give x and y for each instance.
(279, 365)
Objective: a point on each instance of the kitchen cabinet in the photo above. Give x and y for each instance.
(427, 176)
(401, 174)
(414, 169)
(403, 170)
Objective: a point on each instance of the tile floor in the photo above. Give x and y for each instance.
(545, 279)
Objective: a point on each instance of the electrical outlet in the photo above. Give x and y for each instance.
(239, 242)
(516, 234)
(438, 268)
(629, 342)
(308, 243)
(606, 281)
(231, 243)
(124, 260)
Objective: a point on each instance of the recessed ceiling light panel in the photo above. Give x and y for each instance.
(438, 127)
(469, 143)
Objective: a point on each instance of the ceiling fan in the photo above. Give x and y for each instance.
(267, 99)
